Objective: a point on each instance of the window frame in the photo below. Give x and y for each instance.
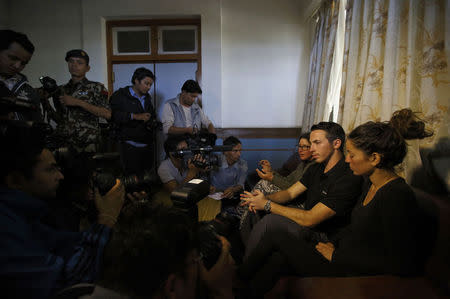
(154, 56)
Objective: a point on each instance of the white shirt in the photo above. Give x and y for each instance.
(168, 119)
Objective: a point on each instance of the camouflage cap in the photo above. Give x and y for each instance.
(77, 53)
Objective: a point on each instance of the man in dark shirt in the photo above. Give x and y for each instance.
(16, 51)
(37, 260)
(331, 187)
(133, 114)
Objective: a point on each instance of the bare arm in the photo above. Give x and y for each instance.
(307, 218)
(285, 196)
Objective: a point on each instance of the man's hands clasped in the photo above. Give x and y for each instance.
(255, 200)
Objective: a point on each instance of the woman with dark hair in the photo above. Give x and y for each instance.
(386, 229)
(271, 181)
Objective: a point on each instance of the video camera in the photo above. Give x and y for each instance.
(185, 199)
(10, 103)
(50, 86)
(203, 144)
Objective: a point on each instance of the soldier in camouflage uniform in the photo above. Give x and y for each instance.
(16, 51)
(85, 102)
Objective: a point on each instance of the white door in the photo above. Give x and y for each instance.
(170, 77)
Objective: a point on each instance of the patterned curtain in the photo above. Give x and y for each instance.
(321, 59)
(396, 56)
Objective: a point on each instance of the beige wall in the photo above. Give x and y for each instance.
(53, 27)
(95, 12)
(254, 53)
(4, 14)
(265, 48)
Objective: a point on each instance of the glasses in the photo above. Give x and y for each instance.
(302, 147)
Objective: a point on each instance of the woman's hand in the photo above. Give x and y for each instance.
(265, 175)
(265, 165)
(325, 249)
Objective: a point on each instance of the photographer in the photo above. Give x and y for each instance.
(155, 254)
(16, 51)
(181, 115)
(135, 120)
(175, 171)
(37, 260)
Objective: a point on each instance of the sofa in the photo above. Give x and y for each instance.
(433, 284)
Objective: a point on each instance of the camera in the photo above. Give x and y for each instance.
(104, 180)
(185, 199)
(210, 246)
(51, 87)
(10, 103)
(153, 124)
(202, 144)
(103, 170)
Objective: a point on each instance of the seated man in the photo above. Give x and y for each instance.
(182, 115)
(36, 259)
(174, 171)
(332, 190)
(230, 176)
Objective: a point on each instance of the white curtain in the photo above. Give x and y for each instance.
(321, 60)
(396, 56)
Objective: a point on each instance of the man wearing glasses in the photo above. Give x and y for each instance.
(182, 115)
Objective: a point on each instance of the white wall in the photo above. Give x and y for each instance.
(254, 53)
(4, 13)
(265, 48)
(54, 28)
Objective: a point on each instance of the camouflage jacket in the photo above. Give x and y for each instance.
(20, 88)
(79, 127)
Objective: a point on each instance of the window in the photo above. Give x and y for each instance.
(131, 40)
(177, 39)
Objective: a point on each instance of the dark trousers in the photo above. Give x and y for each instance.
(254, 229)
(135, 160)
(277, 254)
(277, 246)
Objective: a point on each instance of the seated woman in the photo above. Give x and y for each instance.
(384, 236)
(271, 181)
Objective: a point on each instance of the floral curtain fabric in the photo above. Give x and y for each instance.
(396, 56)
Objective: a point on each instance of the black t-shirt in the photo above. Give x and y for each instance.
(384, 235)
(338, 189)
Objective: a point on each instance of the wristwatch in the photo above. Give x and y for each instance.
(267, 206)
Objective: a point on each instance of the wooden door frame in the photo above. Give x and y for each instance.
(154, 57)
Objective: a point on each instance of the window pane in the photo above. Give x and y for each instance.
(179, 40)
(133, 41)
